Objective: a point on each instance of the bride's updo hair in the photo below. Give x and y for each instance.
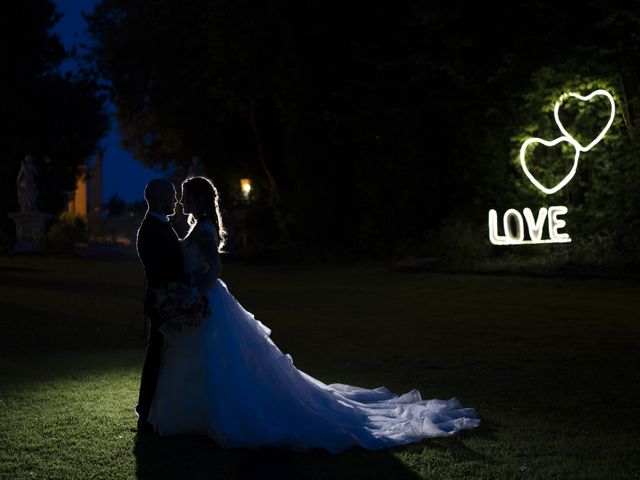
(205, 195)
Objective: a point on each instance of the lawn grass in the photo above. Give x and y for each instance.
(550, 364)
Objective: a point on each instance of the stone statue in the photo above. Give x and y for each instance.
(27, 190)
(30, 223)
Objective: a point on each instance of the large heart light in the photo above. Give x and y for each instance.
(565, 180)
(512, 221)
(600, 92)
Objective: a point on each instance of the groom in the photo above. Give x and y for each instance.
(159, 250)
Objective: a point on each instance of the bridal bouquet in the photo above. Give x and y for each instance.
(181, 305)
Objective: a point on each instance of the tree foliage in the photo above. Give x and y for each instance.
(369, 123)
(58, 119)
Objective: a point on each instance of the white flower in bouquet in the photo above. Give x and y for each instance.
(182, 305)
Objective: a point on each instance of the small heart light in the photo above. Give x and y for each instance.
(565, 180)
(601, 92)
(513, 221)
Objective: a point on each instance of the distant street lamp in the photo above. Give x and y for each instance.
(245, 185)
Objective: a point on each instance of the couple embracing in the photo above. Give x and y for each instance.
(225, 378)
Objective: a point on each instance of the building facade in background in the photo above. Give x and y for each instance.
(86, 199)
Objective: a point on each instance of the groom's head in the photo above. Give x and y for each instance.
(160, 195)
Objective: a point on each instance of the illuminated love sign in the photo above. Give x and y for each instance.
(513, 222)
(513, 225)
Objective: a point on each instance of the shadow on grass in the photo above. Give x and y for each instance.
(26, 329)
(73, 287)
(10, 269)
(198, 457)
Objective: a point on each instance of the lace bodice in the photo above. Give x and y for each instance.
(200, 254)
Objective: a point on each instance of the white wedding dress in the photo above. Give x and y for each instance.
(227, 379)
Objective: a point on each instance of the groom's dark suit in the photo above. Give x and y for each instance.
(159, 250)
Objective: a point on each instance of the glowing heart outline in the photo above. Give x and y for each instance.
(586, 98)
(552, 143)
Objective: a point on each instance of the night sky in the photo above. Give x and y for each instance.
(72, 30)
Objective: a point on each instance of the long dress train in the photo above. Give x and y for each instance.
(227, 379)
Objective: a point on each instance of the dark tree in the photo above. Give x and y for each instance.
(367, 124)
(58, 119)
(312, 99)
(115, 207)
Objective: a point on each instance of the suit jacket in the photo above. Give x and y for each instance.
(158, 247)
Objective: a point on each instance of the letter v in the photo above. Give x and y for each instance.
(535, 226)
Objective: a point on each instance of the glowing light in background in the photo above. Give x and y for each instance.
(515, 236)
(586, 99)
(532, 179)
(566, 138)
(245, 185)
(512, 221)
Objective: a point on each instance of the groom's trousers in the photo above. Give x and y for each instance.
(151, 367)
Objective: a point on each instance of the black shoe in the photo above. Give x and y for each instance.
(144, 427)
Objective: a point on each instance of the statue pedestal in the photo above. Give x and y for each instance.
(29, 231)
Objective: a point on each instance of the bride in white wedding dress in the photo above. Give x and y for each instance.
(227, 379)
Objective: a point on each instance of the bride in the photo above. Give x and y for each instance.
(228, 380)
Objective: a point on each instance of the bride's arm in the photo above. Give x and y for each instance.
(204, 278)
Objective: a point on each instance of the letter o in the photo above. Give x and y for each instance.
(518, 235)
